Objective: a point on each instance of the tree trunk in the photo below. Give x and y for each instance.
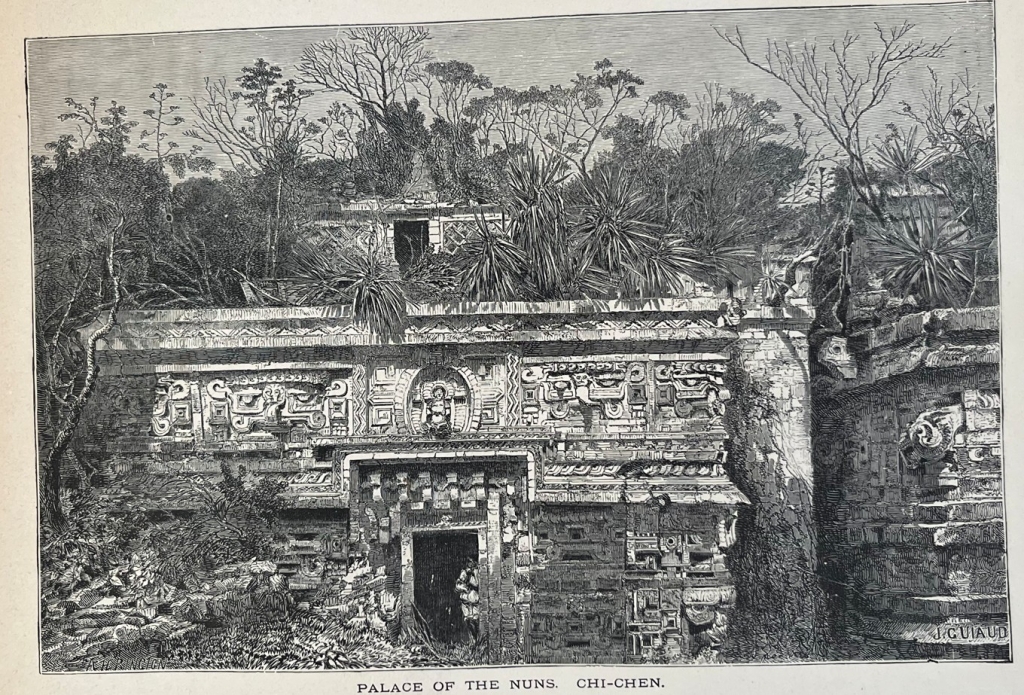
(62, 439)
(275, 233)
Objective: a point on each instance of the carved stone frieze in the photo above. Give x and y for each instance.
(276, 405)
(513, 400)
(631, 470)
(688, 389)
(172, 411)
(241, 406)
(613, 390)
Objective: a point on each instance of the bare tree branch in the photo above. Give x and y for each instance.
(838, 94)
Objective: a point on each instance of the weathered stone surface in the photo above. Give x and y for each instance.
(911, 454)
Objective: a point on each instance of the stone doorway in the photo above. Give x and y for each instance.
(412, 240)
(439, 557)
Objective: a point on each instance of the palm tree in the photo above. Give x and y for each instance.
(922, 254)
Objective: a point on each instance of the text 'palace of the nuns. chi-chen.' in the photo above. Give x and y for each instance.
(596, 459)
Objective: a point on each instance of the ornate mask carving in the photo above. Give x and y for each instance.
(834, 353)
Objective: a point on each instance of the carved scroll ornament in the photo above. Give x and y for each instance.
(278, 406)
(561, 387)
(932, 434)
(692, 388)
(173, 407)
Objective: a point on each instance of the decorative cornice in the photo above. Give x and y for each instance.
(937, 339)
(936, 322)
(706, 319)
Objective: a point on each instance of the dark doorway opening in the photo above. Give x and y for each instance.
(438, 560)
(412, 240)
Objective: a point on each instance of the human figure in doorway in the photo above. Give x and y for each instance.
(468, 588)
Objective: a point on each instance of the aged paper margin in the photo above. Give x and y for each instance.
(19, 668)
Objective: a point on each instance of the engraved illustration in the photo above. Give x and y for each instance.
(644, 338)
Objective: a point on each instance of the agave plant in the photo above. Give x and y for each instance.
(536, 213)
(367, 280)
(491, 265)
(922, 254)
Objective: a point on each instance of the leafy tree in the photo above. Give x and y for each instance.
(567, 121)
(375, 66)
(458, 170)
(213, 238)
(450, 85)
(261, 129)
(387, 155)
(93, 209)
(502, 118)
(719, 177)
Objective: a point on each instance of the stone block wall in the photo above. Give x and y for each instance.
(909, 453)
(779, 607)
(584, 453)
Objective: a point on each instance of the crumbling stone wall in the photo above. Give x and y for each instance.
(780, 605)
(910, 454)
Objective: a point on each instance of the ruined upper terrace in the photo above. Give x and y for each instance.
(711, 319)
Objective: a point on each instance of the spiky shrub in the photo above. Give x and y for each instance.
(368, 281)
(316, 276)
(536, 217)
(491, 266)
(615, 221)
(378, 298)
(616, 230)
(905, 157)
(922, 254)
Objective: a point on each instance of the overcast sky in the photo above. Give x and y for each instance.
(676, 51)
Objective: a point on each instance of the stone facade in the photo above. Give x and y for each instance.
(579, 452)
(909, 447)
(637, 482)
